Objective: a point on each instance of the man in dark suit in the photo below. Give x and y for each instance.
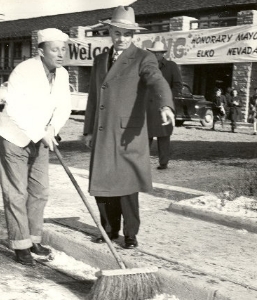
(253, 111)
(115, 126)
(171, 73)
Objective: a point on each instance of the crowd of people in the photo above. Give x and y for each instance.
(228, 107)
(130, 90)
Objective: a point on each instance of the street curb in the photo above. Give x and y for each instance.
(230, 221)
(181, 281)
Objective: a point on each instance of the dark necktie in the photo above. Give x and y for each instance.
(115, 57)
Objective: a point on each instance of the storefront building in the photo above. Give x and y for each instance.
(215, 46)
(213, 57)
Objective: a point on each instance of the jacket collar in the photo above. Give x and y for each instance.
(162, 63)
(123, 61)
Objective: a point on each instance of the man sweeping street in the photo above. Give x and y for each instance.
(37, 106)
(115, 126)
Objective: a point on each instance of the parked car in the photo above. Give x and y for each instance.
(191, 107)
(3, 93)
(78, 100)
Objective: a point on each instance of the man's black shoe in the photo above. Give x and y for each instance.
(40, 250)
(24, 257)
(112, 236)
(130, 242)
(162, 167)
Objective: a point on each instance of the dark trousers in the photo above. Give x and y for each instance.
(24, 182)
(112, 208)
(235, 114)
(163, 144)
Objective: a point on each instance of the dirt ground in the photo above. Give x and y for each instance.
(200, 158)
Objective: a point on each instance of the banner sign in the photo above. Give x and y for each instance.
(201, 46)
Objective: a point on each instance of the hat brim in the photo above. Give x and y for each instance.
(122, 25)
(156, 50)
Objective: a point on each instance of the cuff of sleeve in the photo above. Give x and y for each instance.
(164, 108)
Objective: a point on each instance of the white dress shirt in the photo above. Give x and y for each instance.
(32, 103)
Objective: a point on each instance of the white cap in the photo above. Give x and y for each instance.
(158, 46)
(51, 35)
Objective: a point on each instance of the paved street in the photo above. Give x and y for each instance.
(18, 282)
(193, 245)
(197, 254)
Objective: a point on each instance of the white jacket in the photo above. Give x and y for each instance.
(30, 105)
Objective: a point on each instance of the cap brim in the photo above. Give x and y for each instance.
(156, 50)
(122, 25)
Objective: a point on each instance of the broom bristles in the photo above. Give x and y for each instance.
(139, 286)
(126, 271)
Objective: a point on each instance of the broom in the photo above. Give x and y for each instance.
(123, 283)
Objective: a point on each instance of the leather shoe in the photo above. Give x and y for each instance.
(162, 167)
(130, 242)
(112, 236)
(24, 257)
(40, 250)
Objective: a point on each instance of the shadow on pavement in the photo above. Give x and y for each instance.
(205, 150)
(74, 223)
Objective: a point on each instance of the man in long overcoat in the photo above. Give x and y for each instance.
(171, 73)
(115, 126)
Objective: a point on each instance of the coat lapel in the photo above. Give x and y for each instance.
(103, 66)
(123, 61)
(163, 63)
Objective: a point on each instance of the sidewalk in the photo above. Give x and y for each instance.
(19, 282)
(197, 260)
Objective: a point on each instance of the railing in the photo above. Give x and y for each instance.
(213, 22)
(156, 27)
(102, 30)
(8, 64)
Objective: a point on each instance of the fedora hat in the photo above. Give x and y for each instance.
(157, 47)
(123, 17)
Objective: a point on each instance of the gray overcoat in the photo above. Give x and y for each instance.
(116, 116)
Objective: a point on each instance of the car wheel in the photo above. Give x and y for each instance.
(207, 120)
(179, 123)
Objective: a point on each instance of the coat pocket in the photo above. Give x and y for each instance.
(131, 122)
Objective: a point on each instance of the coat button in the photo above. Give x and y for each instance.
(105, 85)
(102, 107)
(101, 128)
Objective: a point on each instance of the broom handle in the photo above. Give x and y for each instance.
(83, 197)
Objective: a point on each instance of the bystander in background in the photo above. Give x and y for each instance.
(253, 109)
(219, 108)
(171, 73)
(234, 104)
(228, 97)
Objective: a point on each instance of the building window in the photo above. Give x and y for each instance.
(17, 50)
